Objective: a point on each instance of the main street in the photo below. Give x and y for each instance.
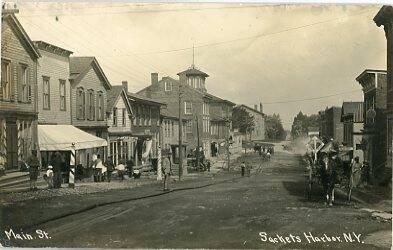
(235, 214)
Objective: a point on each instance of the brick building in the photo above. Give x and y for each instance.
(170, 134)
(374, 84)
(195, 104)
(89, 87)
(352, 119)
(18, 92)
(121, 143)
(385, 18)
(331, 126)
(53, 85)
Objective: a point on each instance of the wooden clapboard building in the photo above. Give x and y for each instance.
(18, 93)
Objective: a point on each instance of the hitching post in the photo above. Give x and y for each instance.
(71, 178)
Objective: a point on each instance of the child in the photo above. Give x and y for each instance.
(49, 176)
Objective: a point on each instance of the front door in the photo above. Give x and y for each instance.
(12, 146)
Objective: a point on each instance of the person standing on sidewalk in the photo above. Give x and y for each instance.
(166, 170)
(49, 176)
(34, 165)
(57, 164)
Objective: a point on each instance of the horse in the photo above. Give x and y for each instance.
(328, 176)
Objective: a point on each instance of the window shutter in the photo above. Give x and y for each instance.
(20, 79)
(29, 86)
(93, 108)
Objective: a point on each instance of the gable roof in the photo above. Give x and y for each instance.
(23, 35)
(218, 99)
(113, 95)
(251, 109)
(193, 71)
(79, 66)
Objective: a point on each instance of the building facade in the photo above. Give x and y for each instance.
(18, 93)
(145, 127)
(374, 84)
(195, 106)
(170, 135)
(331, 126)
(53, 72)
(121, 143)
(258, 133)
(352, 119)
(385, 18)
(89, 87)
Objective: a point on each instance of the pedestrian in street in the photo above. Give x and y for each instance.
(48, 177)
(98, 168)
(243, 168)
(57, 164)
(166, 170)
(33, 163)
(248, 168)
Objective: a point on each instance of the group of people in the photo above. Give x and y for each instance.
(53, 173)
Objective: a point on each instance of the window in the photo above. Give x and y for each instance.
(80, 100)
(6, 83)
(62, 86)
(114, 117)
(173, 128)
(46, 92)
(168, 86)
(23, 84)
(100, 106)
(205, 108)
(123, 117)
(187, 108)
(90, 105)
(149, 114)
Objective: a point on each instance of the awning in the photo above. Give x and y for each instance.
(61, 137)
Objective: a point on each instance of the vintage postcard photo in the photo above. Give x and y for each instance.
(196, 125)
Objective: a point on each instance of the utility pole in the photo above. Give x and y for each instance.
(227, 123)
(180, 132)
(198, 141)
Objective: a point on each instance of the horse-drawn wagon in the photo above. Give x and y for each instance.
(324, 167)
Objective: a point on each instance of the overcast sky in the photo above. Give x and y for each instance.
(253, 53)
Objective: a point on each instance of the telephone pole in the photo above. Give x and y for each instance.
(180, 132)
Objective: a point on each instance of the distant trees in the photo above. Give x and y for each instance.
(242, 120)
(301, 124)
(274, 128)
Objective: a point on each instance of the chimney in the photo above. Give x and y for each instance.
(261, 107)
(125, 86)
(154, 78)
(256, 107)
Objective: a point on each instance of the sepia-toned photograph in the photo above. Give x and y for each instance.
(127, 125)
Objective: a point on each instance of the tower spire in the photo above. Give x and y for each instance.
(193, 56)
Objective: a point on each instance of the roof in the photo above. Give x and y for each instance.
(81, 65)
(354, 109)
(384, 15)
(30, 45)
(138, 97)
(52, 48)
(218, 99)
(369, 71)
(251, 109)
(113, 95)
(193, 71)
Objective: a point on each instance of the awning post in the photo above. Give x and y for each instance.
(71, 177)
